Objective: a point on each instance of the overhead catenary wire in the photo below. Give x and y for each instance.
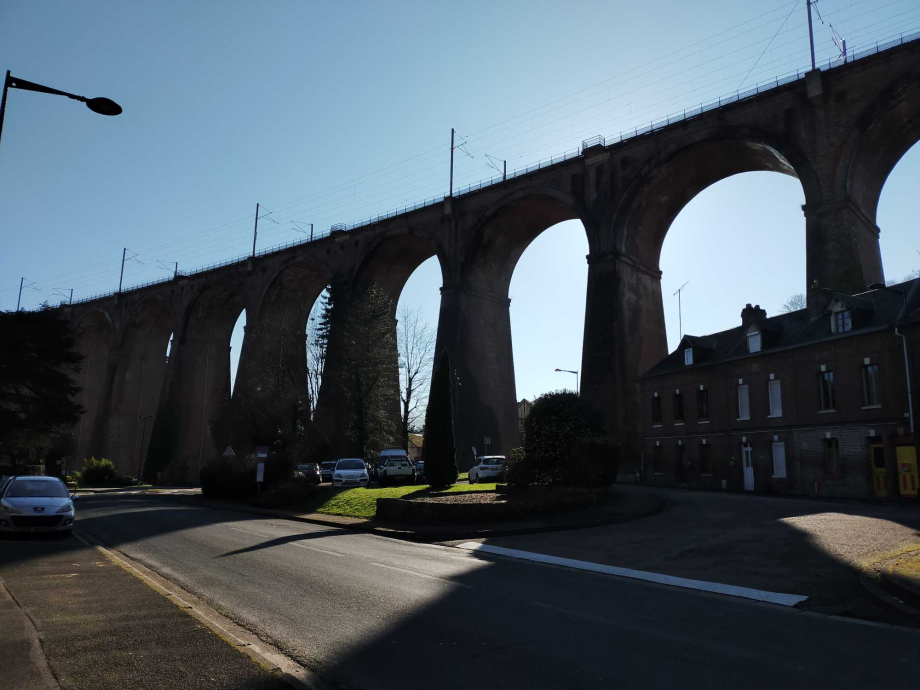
(359, 198)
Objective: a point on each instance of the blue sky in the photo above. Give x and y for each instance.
(332, 112)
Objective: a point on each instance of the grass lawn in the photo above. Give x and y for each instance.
(362, 503)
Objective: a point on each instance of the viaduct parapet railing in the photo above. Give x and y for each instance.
(596, 141)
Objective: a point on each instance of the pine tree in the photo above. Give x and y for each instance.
(439, 448)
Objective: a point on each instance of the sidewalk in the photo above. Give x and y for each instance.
(74, 619)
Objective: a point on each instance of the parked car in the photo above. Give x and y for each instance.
(420, 470)
(36, 504)
(326, 470)
(350, 472)
(396, 468)
(489, 467)
(311, 473)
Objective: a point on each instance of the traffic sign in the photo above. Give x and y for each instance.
(229, 452)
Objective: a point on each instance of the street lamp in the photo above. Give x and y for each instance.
(570, 371)
(103, 106)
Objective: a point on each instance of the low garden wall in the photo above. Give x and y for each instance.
(494, 507)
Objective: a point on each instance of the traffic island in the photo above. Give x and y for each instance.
(500, 505)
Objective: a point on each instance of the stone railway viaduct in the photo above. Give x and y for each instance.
(840, 132)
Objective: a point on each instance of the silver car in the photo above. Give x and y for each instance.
(350, 472)
(36, 504)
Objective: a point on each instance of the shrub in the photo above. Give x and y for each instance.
(439, 448)
(99, 472)
(564, 444)
(518, 472)
(237, 479)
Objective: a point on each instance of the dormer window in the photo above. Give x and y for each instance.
(841, 321)
(688, 356)
(753, 341)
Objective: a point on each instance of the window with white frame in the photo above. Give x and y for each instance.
(870, 375)
(775, 393)
(841, 321)
(826, 395)
(753, 341)
(779, 459)
(744, 402)
(688, 356)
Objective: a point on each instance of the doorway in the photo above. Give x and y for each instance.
(879, 471)
(747, 464)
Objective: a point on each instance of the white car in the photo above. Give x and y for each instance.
(36, 504)
(350, 472)
(396, 468)
(488, 467)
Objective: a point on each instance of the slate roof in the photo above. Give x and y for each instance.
(872, 310)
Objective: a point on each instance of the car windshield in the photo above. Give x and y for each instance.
(37, 488)
(350, 465)
(492, 461)
(309, 466)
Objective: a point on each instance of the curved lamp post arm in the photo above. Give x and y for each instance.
(102, 106)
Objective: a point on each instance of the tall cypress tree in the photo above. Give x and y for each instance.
(439, 449)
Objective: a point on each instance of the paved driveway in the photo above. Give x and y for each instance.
(798, 546)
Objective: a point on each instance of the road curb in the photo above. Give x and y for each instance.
(902, 587)
(367, 526)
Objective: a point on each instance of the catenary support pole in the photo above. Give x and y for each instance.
(811, 36)
(71, 295)
(451, 162)
(19, 301)
(122, 276)
(255, 232)
(504, 171)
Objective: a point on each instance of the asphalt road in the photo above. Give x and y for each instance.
(371, 612)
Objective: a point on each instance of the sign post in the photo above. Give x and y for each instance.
(260, 476)
(486, 441)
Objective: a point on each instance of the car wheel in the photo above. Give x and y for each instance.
(471, 478)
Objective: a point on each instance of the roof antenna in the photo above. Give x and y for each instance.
(680, 319)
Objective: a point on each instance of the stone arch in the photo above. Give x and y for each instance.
(138, 382)
(882, 134)
(197, 383)
(273, 364)
(504, 231)
(393, 257)
(95, 339)
(659, 192)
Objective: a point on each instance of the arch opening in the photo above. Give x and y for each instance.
(741, 240)
(547, 290)
(896, 217)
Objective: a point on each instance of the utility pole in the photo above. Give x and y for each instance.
(21, 280)
(451, 162)
(122, 276)
(680, 318)
(255, 233)
(811, 36)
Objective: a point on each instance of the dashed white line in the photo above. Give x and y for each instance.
(445, 580)
(293, 543)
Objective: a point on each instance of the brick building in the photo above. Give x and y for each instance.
(809, 402)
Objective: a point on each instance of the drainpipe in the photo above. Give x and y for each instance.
(910, 398)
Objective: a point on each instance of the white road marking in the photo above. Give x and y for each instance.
(427, 577)
(700, 585)
(293, 543)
